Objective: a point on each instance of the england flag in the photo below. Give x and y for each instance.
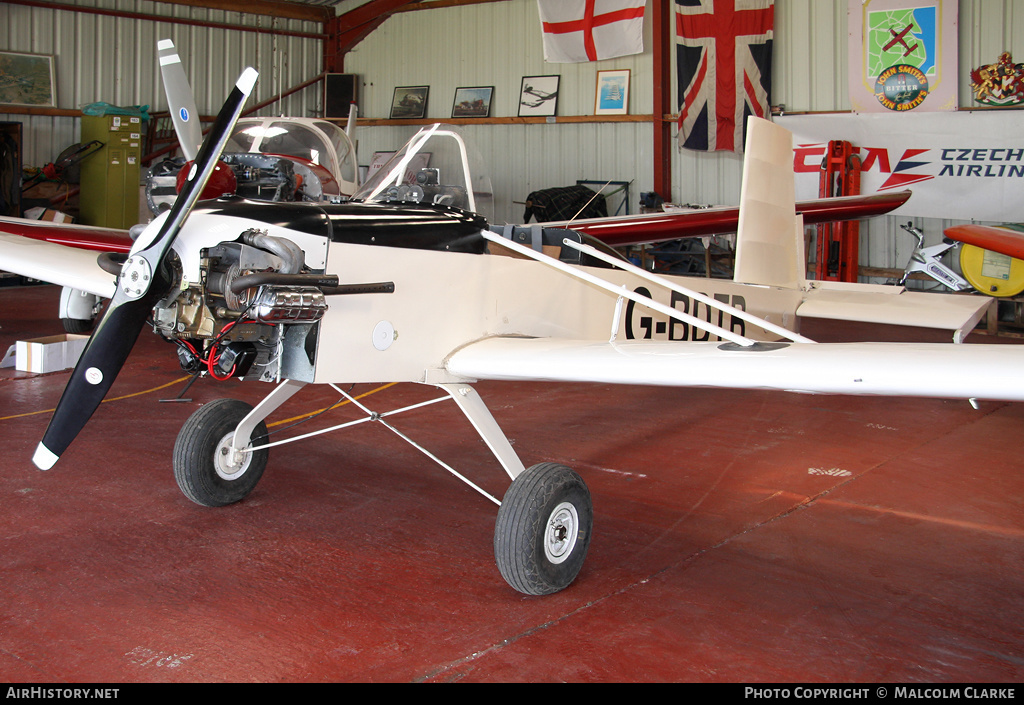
(590, 30)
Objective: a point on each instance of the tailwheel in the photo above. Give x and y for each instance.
(543, 529)
(208, 471)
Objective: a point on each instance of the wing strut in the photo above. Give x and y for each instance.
(622, 292)
(464, 396)
(713, 303)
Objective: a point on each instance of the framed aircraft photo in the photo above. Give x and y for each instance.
(612, 97)
(27, 79)
(472, 102)
(538, 95)
(409, 102)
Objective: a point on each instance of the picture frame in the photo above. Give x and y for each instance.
(27, 79)
(409, 102)
(612, 94)
(538, 96)
(472, 102)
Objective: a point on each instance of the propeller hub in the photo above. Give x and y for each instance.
(136, 277)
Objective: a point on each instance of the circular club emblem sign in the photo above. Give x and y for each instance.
(901, 87)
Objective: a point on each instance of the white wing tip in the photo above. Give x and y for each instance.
(43, 458)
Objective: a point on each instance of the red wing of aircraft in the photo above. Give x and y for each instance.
(614, 231)
(409, 284)
(1004, 240)
(659, 227)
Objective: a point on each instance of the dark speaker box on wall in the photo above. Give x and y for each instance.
(339, 93)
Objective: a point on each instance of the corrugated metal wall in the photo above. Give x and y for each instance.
(101, 58)
(497, 44)
(491, 44)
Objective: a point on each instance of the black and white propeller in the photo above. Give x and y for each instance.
(144, 279)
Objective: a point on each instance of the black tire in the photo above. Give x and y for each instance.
(76, 326)
(200, 455)
(543, 529)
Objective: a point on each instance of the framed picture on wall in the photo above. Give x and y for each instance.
(538, 95)
(409, 102)
(27, 79)
(472, 102)
(612, 97)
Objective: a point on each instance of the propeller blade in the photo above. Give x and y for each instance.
(143, 280)
(180, 100)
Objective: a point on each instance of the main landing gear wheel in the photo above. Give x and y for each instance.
(206, 469)
(543, 529)
(76, 326)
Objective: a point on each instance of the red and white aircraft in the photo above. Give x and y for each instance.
(319, 155)
(407, 283)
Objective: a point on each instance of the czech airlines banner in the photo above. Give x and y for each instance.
(590, 30)
(961, 165)
(724, 69)
(903, 55)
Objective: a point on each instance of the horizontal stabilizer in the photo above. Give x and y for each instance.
(894, 305)
(944, 370)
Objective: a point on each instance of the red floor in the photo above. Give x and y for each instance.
(739, 536)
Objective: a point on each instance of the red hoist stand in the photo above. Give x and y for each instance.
(838, 242)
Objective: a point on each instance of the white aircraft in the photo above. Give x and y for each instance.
(408, 284)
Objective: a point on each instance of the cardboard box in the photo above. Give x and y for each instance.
(48, 214)
(51, 354)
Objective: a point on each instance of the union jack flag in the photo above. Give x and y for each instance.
(724, 68)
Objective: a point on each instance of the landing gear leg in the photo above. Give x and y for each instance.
(544, 522)
(214, 463)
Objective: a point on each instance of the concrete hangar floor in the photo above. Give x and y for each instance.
(739, 537)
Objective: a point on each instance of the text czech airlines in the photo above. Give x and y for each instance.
(994, 162)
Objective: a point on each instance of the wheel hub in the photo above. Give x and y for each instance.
(229, 463)
(562, 532)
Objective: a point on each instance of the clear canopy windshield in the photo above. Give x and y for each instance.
(435, 166)
(317, 141)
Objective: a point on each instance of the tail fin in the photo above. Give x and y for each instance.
(769, 239)
(770, 251)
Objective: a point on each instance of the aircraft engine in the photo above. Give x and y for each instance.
(236, 320)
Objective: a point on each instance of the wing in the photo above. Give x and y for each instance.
(945, 370)
(82, 236)
(58, 264)
(61, 254)
(656, 227)
(1003, 240)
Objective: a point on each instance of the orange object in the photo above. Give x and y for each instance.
(838, 246)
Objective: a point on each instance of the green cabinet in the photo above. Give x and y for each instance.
(110, 178)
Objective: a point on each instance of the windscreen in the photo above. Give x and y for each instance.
(436, 166)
